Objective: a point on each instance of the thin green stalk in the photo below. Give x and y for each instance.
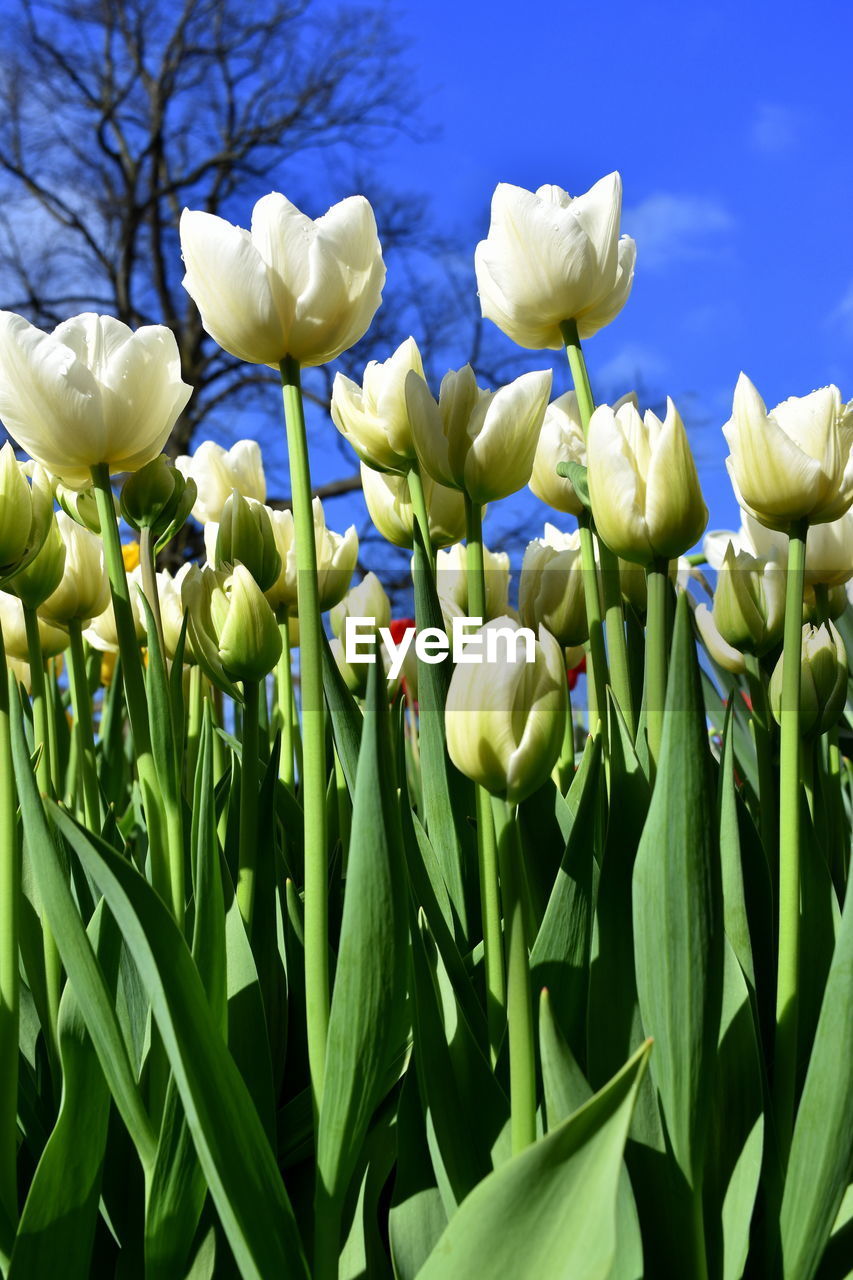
(248, 845)
(419, 509)
(761, 724)
(787, 981)
(564, 770)
(614, 616)
(313, 734)
(284, 706)
(52, 701)
(522, 1055)
(596, 667)
(134, 683)
(195, 719)
(81, 704)
(148, 565)
(52, 961)
(487, 854)
(657, 580)
(10, 906)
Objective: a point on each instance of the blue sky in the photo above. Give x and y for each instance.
(731, 127)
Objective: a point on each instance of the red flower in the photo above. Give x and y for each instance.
(574, 672)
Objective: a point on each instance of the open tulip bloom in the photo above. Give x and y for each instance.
(337, 945)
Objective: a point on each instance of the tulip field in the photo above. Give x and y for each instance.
(339, 945)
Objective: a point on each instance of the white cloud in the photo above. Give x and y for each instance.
(842, 315)
(672, 228)
(775, 128)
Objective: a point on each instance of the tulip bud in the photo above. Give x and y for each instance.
(481, 441)
(293, 287)
(84, 590)
(505, 719)
(549, 258)
(158, 497)
(643, 485)
(367, 600)
(14, 629)
(823, 682)
(217, 472)
(373, 417)
(451, 582)
(172, 611)
(248, 635)
(832, 606)
(551, 590)
(44, 573)
(794, 464)
(16, 509)
(82, 506)
(749, 602)
(245, 536)
(389, 504)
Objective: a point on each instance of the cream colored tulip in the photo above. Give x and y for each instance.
(389, 504)
(337, 555)
(101, 632)
(643, 485)
(169, 590)
(561, 440)
(749, 602)
(451, 582)
(91, 392)
(368, 599)
(218, 472)
(505, 719)
(795, 463)
(723, 654)
(373, 417)
(829, 547)
(26, 513)
(53, 639)
(549, 258)
(84, 591)
(290, 287)
(823, 681)
(481, 441)
(551, 589)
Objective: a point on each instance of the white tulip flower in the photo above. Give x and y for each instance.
(480, 441)
(84, 591)
(551, 587)
(373, 417)
(389, 505)
(505, 719)
(549, 258)
(336, 560)
(91, 392)
(795, 463)
(290, 287)
(218, 472)
(643, 485)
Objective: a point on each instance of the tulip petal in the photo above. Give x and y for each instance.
(676, 514)
(615, 489)
(500, 458)
(599, 212)
(229, 282)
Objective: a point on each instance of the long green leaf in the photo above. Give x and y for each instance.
(550, 1211)
(678, 936)
(366, 1017)
(232, 1147)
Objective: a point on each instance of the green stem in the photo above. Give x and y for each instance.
(487, 854)
(564, 770)
(787, 981)
(81, 704)
(596, 671)
(419, 509)
(248, 846)
(10, 906)
(761, 723)
(657, 580)
(313, 734)
(133, 682)
(148, 566)
(52, 702)
(522, 1055)
(614, 616)
(284, 706)
(195, 719)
